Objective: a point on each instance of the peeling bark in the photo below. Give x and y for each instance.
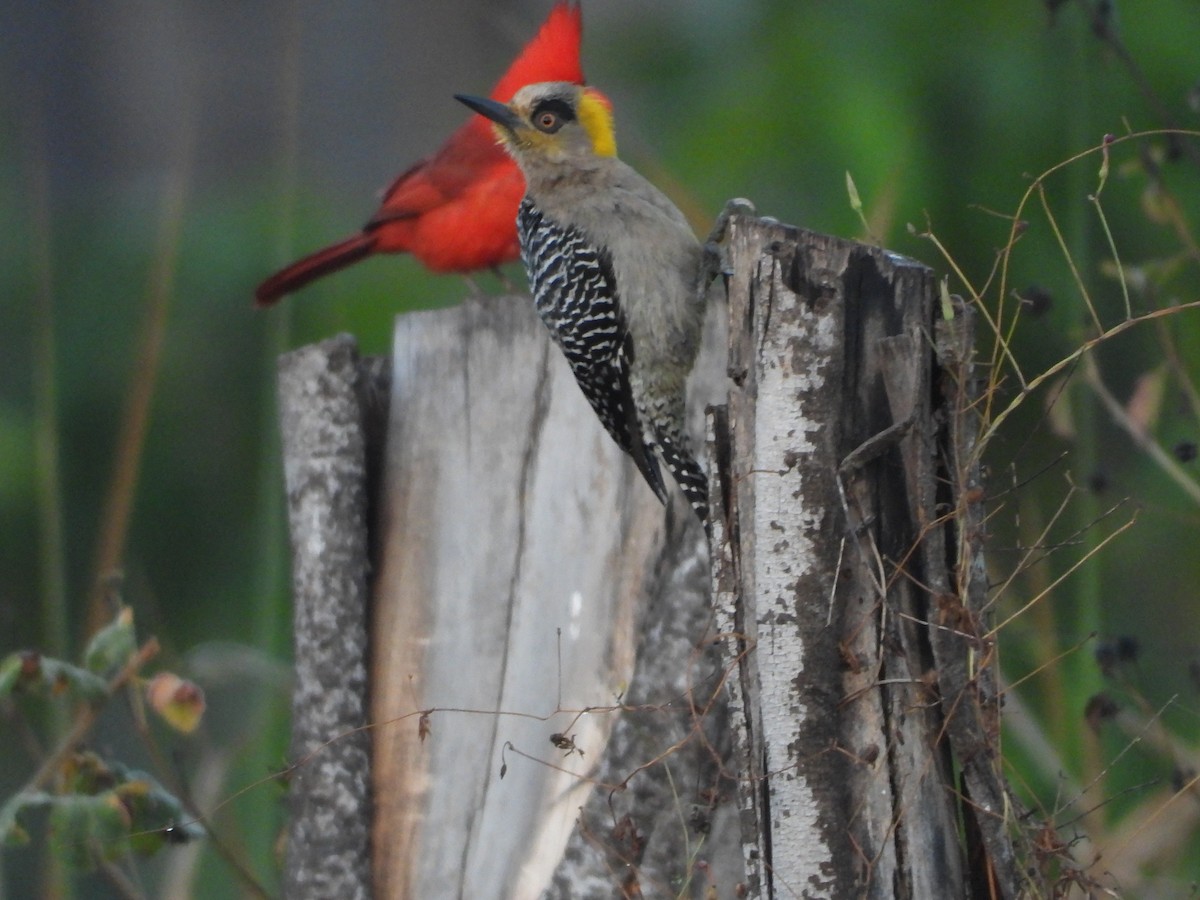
(833, 572)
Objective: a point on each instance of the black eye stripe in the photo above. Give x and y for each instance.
(559, 110)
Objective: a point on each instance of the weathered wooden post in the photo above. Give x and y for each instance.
(568, 700)
(324, 407)
(848, 554)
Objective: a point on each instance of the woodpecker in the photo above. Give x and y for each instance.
(454, 210)
(615, 272)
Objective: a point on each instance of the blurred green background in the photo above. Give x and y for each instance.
(160, 159)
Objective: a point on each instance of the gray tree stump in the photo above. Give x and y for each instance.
(569, 699)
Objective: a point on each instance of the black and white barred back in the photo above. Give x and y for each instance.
(575, 293)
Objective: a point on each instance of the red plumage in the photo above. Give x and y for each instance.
(456, 210)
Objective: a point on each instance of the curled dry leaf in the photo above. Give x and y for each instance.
(1145, 403)
(180, 702)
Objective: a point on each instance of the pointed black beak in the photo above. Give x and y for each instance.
(490, 109)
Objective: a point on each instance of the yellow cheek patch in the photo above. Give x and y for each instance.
(530, 139)
(595, 115)
(525, 139)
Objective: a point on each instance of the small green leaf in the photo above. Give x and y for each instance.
(946, 302)
(10, 673)
(852, 190)
(157, 816)
(30, 671)
(111, 646)
(86, 828)
(85, 772)
(63, 677)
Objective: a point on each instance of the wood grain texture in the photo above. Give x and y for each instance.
(516, 540)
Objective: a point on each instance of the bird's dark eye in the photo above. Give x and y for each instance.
(550, 115)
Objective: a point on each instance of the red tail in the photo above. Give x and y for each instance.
(456, 210)
(298, 274)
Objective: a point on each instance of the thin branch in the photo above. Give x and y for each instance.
(1070, 358)
(1061, 578)
(135, 421)
(1062, 245)
(1138, 434)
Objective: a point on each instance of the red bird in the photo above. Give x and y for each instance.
(456, 210)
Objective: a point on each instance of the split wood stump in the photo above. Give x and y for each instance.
(519, 676)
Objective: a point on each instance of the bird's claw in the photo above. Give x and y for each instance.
(716, 257)
(738, 206)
